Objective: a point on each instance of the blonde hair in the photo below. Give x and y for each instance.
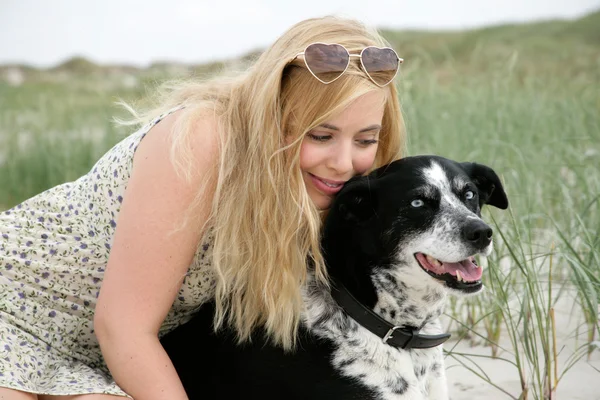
(266, 229)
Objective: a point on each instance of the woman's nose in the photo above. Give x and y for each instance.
(340, 158)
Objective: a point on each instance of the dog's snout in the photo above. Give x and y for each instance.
(478, 233)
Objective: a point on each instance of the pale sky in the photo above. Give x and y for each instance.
(46, 32)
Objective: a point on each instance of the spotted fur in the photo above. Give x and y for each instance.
(371, 235)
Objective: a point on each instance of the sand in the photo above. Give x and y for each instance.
(580, 382)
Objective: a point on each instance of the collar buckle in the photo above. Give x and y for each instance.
(413, 332)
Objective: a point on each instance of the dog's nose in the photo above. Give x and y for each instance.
(478, 233)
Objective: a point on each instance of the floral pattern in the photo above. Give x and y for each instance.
(54, 249)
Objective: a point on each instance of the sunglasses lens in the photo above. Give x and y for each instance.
(380, 64)
(326, 61)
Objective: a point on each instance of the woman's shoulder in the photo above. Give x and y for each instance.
(178, 159)
(188, 136)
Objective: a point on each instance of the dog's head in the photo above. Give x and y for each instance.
(421, 214)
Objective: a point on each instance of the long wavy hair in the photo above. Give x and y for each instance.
(266, 228)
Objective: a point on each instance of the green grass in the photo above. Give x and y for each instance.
(523, 99)
(49, 134)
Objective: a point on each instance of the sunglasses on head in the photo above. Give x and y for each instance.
(327, 62)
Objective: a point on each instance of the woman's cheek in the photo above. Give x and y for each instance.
(366, 161)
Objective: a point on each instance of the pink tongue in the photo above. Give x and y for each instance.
(468, 269)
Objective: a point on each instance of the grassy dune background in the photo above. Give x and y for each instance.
(524, 99)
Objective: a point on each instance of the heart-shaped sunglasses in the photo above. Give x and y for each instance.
(327, 62)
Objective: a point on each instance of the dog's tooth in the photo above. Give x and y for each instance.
(433, 261)
(458, 276)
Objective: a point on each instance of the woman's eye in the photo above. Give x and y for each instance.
(469, 195)
(319, 138)
(367, 142)
(417, 203)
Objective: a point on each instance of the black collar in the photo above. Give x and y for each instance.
(397, 336)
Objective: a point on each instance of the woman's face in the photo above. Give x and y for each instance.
(341, 148)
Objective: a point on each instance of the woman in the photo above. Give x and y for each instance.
(222, 199)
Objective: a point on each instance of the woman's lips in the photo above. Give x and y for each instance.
(326, 186)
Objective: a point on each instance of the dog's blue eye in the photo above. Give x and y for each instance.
(417, 203)
(469, 195)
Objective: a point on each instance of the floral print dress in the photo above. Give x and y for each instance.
(54, 249)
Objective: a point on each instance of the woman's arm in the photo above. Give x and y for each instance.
(148, 261)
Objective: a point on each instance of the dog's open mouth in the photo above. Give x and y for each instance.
(464, 275)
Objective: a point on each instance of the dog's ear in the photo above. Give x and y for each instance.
(358, 204)
(488, 184)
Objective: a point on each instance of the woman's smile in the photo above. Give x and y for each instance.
(326, 186)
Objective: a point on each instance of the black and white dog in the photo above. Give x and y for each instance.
(396, 244)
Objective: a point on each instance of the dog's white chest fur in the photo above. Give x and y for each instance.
(394, 374)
